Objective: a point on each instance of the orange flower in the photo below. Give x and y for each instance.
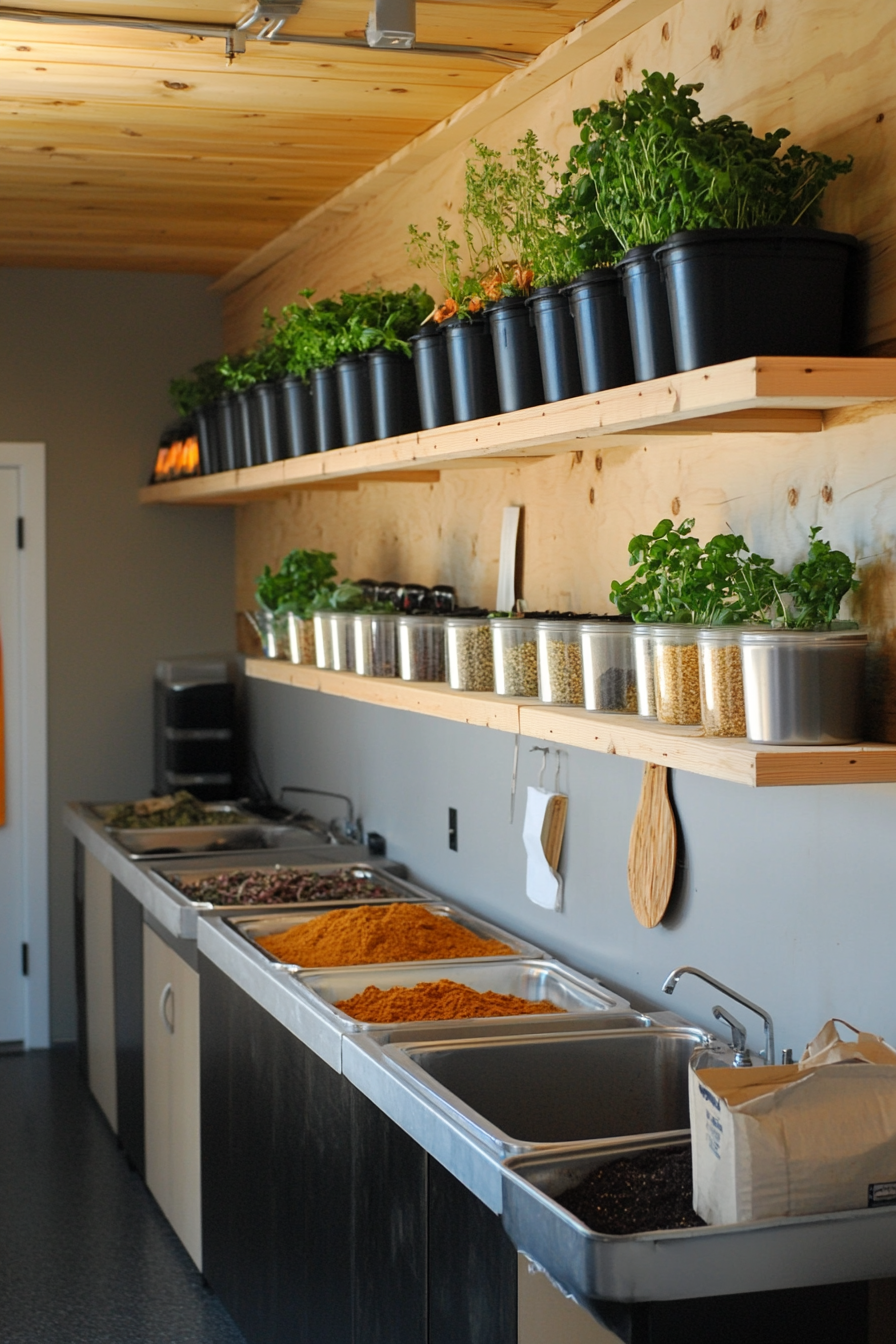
(443, 311)
(475, 304)
(522, 279)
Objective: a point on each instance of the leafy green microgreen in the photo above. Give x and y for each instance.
(816, 586)
(303, 582)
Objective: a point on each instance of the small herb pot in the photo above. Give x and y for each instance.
(608, 667)
(653, 352)
(393, 394)
(266, 445)
(355, 406)
(325, 403)
(471, 368)
(557, 352)
(765, 291)
(603, 340)
(244, 430)
(516, 354)
(721, 681)
(271, 630)
(227, 442)
(207, 433)
(433, 379)
(803, 687)
(297, 417)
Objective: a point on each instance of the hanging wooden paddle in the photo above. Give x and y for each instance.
(652, 848)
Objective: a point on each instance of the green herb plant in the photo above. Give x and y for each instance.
(816, 586)
(441, 254)
(382, 319)
(303, 583)
(203, 386)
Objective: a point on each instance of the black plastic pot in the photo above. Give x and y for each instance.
(266, 446)
(207, 434)
(648, 314)
(355, 408)
(433, 379)
(393, 394)
(768, 291)
(227, 440)
(599, 315)
(557, 351)
(471, 368)
(516, 354)
(325, 403)
(297, 418)
(244, 430)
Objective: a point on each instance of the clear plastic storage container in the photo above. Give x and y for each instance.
(271, 630)
(342, 641)
(421, 648)
(323, 645)
(721, 681)
(300, 631)
(376, 646)
(676, 673)
(468, 653)
(608, 667)
(642, 642)
(515, 654)
(559, 663)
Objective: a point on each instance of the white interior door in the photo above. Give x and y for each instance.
(13, 904)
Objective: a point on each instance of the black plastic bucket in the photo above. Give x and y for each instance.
(516, 354)
(353, 383)
(648, 314)
(207, 434)
(393, 394)
(227, 443)
(325, 402)
(600, 318)
(433, 379)
(266, 447)
(471, 368)
(557, 351)
(244, 430)
(768, 291)
(296, 418)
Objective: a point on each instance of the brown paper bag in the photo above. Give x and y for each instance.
(812, 1137)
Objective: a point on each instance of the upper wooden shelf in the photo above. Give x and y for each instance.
(756, 395)
(731, 759)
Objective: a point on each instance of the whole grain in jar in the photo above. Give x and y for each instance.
(468, 653)
(721, 682)
(560, 663)
(608, 667)
(676, 669)
(515, 656)
(421, 648)
(301, 639)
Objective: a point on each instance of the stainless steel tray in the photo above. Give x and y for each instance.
(102, 811)
(167, 876)
(533, 980)
(157, 842)
(694, 1262)
(253, 927)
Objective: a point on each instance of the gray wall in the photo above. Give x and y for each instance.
(85, 359)
(785, 894)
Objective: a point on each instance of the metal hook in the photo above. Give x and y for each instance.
(544, 762)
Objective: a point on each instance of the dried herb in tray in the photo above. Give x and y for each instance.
(279, 886)
(651, 1192)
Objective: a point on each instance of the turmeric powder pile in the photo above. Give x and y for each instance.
(368, 934)
(434, 1000)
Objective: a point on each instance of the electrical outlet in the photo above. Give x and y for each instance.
(452, 828)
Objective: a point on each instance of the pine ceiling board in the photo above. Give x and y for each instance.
(195, 11)
(106, 256)
(25, 160)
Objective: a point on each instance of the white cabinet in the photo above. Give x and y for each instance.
(171, 1077)
(100, 987)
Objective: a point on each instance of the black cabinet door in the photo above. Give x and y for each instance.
(127, 954)
(276, 1174)
(472, 1267)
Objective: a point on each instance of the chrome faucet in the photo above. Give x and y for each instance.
(349, 829)
(738, 1032)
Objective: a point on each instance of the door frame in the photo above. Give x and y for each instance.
(30, 458)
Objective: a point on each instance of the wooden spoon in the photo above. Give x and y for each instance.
(652, 848)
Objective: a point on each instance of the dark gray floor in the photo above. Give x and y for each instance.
(85, 1255)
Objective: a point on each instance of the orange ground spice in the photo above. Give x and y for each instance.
(369, 934)
(434, 1000)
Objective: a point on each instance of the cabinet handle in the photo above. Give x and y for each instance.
(167, 997)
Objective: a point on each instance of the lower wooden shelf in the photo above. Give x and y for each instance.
(732, 759)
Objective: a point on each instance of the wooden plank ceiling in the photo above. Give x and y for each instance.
(144, 150)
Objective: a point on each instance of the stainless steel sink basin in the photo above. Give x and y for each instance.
(532, 1092)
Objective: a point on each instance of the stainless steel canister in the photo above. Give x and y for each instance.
(803, 687)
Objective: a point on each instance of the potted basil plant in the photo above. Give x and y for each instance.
(380, 328)
(287, 601)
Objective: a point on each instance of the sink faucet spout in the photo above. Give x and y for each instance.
(672, 980)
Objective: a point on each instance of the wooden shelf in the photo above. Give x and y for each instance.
(731, 759)
(756, 395)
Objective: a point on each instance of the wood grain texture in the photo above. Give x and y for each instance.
(734, 760)
(653, 848)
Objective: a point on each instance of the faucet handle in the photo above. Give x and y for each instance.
(738, 1036)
